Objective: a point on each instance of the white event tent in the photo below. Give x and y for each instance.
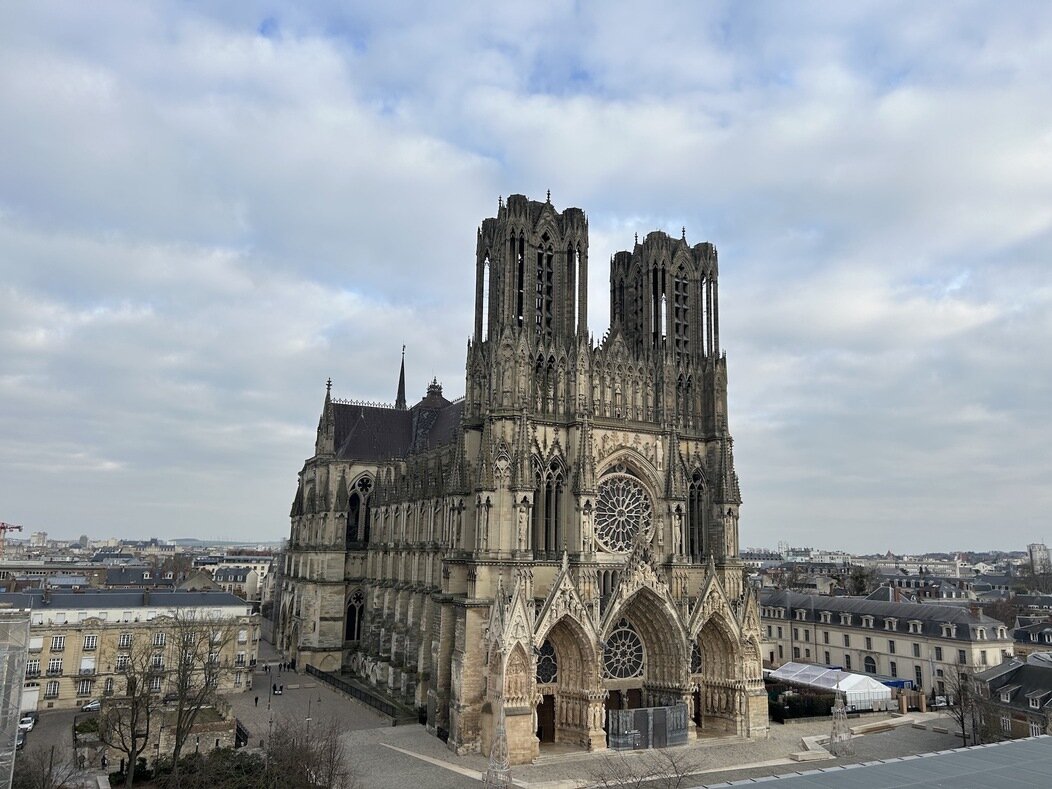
(860, 691)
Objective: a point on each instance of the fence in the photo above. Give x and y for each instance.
(353, 689)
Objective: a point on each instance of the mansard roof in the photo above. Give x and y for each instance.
(932, 616)
(370, 432)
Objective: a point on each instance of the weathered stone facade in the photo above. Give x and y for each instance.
(563, 539)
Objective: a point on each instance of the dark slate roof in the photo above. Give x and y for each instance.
(1024, 681)
(116, 598)
(231, 575)
(1014, 763)
(368, 432)
(136, 576)
(890, 594)
(931, 615)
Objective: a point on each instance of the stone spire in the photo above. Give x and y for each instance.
(485, 457)
(727, 491)
(342, 498)
(585, 466)
(673, 478)
(400, 399)
(521, 479)
(325, 445)
(458, 472)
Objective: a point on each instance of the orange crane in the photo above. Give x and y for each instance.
(4, 529)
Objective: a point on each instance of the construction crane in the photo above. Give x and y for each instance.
(4, 529)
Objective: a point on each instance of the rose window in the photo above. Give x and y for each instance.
(623, 656)
(622, 510)
(547, 665)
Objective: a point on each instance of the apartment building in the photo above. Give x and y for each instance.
(80, 642)
(1021, 697)
(922, 644)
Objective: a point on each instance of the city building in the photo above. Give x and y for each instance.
(1020, 695)
(563, 540)
(14, 649)
(1039, 558)
(924, 643)
(79, 642)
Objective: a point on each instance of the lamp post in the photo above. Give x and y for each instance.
(308, 717)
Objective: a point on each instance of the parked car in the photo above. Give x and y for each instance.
(27, 723)
(20, 740)
(92, 706)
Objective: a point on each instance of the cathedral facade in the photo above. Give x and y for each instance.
(561, 542)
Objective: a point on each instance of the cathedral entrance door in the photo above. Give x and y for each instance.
(546, 719)
(697, 706)
(635, 699)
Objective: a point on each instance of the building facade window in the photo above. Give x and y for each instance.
(894, 668)
(847, 662)
(51, 689)
(847, 640)
(869, 665)
(1035, 729)
(54, 665)
(891, 647)
(918, 677)
(916, 650)
(84, 687)
(1006, 724)
(938, 653)
(58, 643)
(869, 643)
(962, 657)
(124, 641)
(158, 639)
(122, 662)
(90, 642)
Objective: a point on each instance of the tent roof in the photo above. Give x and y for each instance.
(829, 678)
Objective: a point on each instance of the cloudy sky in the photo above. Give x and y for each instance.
(205, 213)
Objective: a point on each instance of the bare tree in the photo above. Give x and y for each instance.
(42, 768)
(298, 757)
(972, 711)
(667, 768)
(126, 721)
(198, 668)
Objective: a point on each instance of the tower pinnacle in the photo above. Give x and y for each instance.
(400, 399)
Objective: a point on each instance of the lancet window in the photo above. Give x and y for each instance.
(545, 302)
(696, 517)
(548, 510)
(359, 513)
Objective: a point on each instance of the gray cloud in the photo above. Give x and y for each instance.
(200, 222)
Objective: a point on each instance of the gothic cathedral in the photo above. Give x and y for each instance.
(561, 543)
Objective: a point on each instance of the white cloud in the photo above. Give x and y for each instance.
(201, 223)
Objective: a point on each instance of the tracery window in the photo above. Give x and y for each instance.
(622, 511)
(359, 515)
(695, 658)
(547, 664)
(353, 625)
(695, 517)
(547, 509)
(623, 657)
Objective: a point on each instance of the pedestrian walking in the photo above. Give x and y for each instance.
(257, 701)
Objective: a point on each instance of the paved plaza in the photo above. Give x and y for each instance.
(386, 757)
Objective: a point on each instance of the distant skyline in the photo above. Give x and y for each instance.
(205, 212)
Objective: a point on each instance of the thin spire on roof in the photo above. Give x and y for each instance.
(400, 399)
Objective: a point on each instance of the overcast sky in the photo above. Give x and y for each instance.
(205, 213)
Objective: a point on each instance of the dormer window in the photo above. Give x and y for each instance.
(891, 624)
(827, 617)
(845, 619)
(801, 613)
(980, 633)
(1035, 704)
(867, 621)
(915, 626)
(1006, 696)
